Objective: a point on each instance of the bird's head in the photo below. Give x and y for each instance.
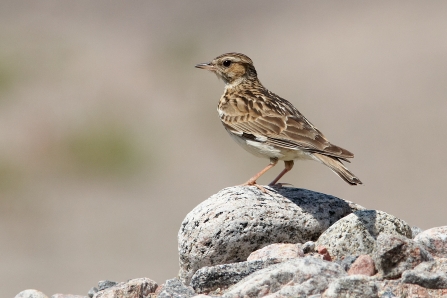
(232, 68)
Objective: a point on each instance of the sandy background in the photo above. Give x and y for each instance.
(109, 136)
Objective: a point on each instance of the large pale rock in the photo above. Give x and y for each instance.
(394, 254)
(434, 240)
(238, 220)
(355, 286)
(208, 279)
(134, 288)
(300, 277)
(356, 233)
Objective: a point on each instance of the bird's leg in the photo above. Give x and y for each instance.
(288, 165)
(252, 180)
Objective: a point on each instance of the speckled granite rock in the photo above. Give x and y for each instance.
(300, 277)
(434, 240)
(397, 288)
(174, 288)
(356, 233)
(31, 293)
(238, 220)
(355, 286)
(394, 254)
(431, 275)
(221, 277)
(134, 288)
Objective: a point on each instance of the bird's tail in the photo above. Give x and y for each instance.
(338, 168)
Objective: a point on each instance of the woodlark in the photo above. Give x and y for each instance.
(267, 125)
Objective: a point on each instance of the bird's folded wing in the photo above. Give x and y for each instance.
(277, 124)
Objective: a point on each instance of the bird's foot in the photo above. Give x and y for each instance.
(253, 183)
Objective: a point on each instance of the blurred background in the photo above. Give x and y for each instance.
(109, 136)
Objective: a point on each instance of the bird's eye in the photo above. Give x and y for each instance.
(226, 63)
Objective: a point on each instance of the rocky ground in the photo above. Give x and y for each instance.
(293, 242)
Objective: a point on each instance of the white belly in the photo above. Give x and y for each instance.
(267, 151)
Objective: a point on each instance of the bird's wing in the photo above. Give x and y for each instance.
(266, 117)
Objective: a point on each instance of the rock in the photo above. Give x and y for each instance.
(398, 289)
(92, 292)
(356, 286)
(134, 288)
(308, 247)
(324, 253)
(174, 288)
(394, 254)
(364, 265)
(415, 231)
(31, 293)
(208, 279)
(298, 277)
(347, 262)
(356, 233)
(438, 264)
(434, 240)
(104, 284)
(238, 220)
(430, 280)
(67, 296)
(431, 275)
(277, 251)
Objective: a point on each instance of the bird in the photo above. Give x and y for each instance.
(268, 125)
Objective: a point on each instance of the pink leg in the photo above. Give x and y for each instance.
(288, 165)
(252, 180)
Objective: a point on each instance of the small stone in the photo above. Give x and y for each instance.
(208, 279)
(308, 247)
(434, 240)
(357, 286)
(364, 265)
(174, 288)
(299, 277)
(323, 251)
(133, 288)
(92, 292)
(415, 231)
(394, 254)
(104, 284)
(277, 251)
(238, 220)
(347, 262)
(356, 233)
(31, 293)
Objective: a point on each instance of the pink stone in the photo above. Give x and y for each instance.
(364, 265)
(434, 240)
(278, 251)
(323, 251)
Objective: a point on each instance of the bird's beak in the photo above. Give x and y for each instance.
(207, 66)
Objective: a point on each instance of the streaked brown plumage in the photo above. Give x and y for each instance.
(267, 125)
